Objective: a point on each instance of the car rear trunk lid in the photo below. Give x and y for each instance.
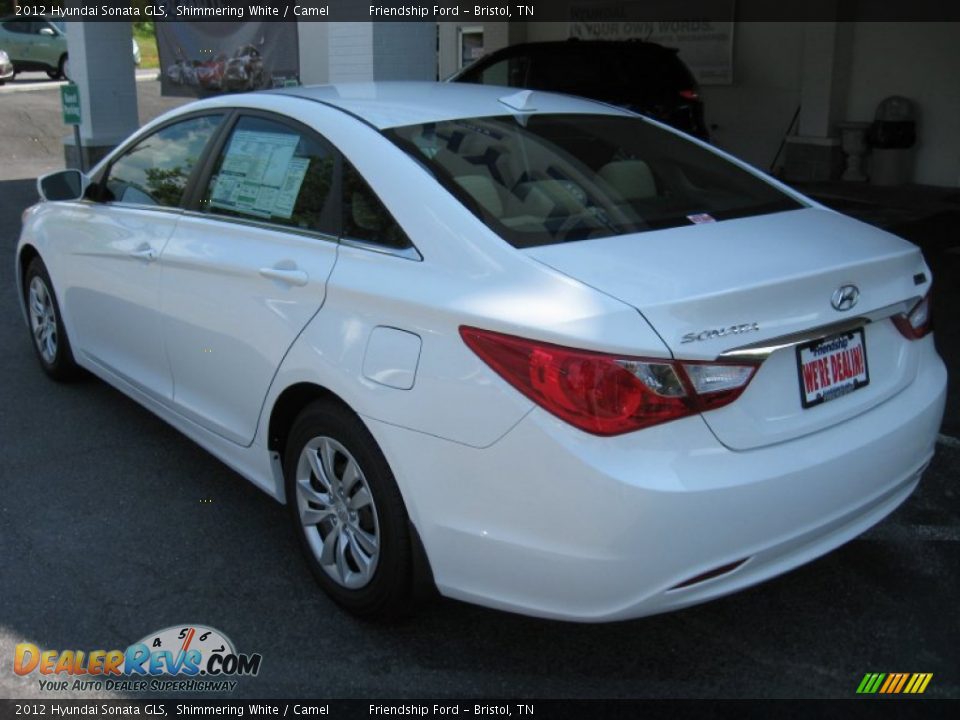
(713, 288)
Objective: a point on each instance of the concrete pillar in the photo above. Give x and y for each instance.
(825, 77)
(101, 64)
(814, 154)
(404, 51)
(364, 51)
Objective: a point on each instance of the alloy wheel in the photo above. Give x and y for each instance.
(337, 512)
(43, 320)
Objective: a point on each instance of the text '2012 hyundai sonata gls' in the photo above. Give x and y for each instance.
(546, 354)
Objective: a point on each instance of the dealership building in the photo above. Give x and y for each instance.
(780, 95)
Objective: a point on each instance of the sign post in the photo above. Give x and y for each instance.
(70, 103)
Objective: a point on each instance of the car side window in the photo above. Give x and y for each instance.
(365, 217)
(155, 170)
(511, 72)
(276, 173)
(17, 26)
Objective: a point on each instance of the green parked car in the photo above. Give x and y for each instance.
(39, 44)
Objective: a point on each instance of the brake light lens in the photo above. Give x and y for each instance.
(606, 394)
(918, 322)
(689, 94)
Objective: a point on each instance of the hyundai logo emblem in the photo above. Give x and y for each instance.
(845, 297)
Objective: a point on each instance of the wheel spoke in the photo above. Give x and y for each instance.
(351, 475)
(330, 546)
(36, 304)
(360, 499)
(342, 568)
(308, 496)
(318, 470)
(367, 542)
(41, 290)
(328, 453)
(363, 560)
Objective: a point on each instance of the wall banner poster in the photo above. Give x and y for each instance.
(198, 59)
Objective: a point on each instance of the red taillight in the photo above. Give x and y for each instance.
(918, 322)
(607, 394)
(689, 94)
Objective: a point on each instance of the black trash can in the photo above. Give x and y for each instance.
(892, 136)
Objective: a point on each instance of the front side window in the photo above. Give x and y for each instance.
(273, 172)
(155, 171)
(543, 179)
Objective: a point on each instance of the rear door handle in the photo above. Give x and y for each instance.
(145, 253)
(289, 276)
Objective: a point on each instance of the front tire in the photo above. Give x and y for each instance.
(348, 514)
(50, 340)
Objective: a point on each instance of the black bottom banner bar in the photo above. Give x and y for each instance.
(539, 709)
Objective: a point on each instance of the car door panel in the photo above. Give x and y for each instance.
(111, 287)
(112, 280)
(234, 299)
(246, 270)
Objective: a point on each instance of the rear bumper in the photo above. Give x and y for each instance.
(552, 522)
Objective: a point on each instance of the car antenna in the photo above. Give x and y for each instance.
(520, 102)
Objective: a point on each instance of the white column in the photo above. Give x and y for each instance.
(364, 51)
(825, 77)
(101, 64)
(814, 154)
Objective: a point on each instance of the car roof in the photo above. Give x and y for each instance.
(396, 103)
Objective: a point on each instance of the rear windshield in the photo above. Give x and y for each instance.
(544, 179)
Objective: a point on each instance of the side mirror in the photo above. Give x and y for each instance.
(47, 31)
(63, 185)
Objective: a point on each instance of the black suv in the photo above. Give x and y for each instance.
(641, 76)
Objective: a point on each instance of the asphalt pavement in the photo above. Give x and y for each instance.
(113, 525)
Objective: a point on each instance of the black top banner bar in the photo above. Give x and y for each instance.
(466, 11)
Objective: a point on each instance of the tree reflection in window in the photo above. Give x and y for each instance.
(155, 171)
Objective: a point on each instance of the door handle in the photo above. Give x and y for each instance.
(289, 276)
(145, 253)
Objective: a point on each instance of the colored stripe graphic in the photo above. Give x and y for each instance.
(891, 680)
(903, 679)
(894, 683)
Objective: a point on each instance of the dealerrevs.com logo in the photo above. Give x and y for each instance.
(182, 658)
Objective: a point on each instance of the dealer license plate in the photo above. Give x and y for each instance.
(832, 367)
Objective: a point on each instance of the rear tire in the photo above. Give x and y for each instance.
(61, 72)
(348, 514)
(50, 341)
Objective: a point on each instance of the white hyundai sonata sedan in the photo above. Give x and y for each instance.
(543, 353)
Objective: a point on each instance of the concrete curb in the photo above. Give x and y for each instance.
(142, 76)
